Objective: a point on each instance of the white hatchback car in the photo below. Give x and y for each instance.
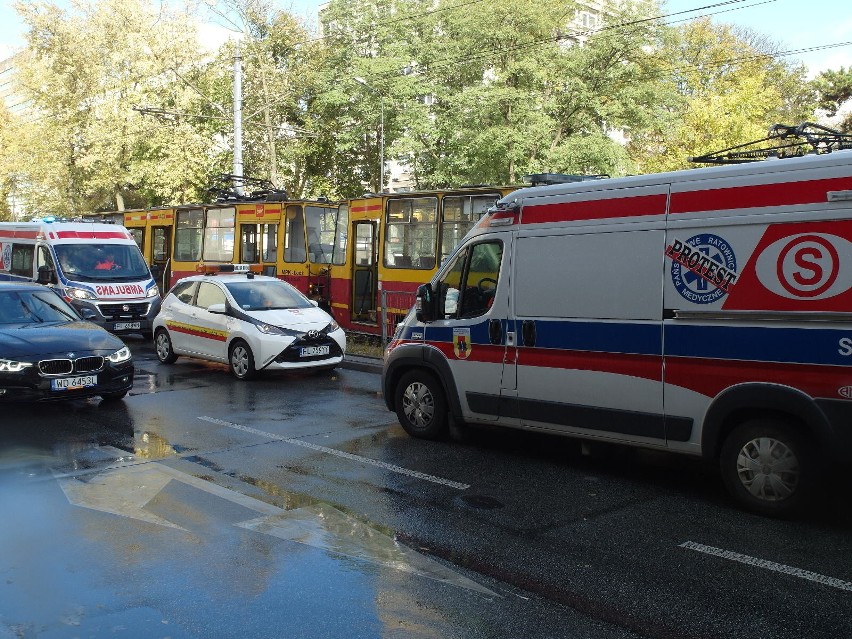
(249, 322)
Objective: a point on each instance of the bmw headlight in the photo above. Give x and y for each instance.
(121, 355)
(13, 366)
(269, 329)
(80, 294)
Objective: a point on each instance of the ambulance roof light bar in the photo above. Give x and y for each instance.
(213, 269)
(782, 141)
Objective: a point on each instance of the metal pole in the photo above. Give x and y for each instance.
(238, 122)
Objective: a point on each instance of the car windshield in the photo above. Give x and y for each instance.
(102, 262)
(266, 295)
(34, 307)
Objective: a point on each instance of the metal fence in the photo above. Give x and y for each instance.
(395, 306)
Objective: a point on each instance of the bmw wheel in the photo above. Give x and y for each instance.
(420, 405)
(163, 347)
(241, 360)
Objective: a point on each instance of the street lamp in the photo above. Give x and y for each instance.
(364, 84)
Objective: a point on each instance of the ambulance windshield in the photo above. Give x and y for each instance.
(101, 262)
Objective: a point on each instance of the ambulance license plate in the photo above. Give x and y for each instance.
(127, 326)
(74, 383)
(313, 351)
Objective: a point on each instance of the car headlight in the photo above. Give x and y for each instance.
(121, 355)
(269, 329)
(80, 294)
(12, 366)
(154, 291)
(332, 327)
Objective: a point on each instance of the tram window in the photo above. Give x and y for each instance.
(138, 237)
(412, 233)
(269, 239)
(160, 245)
(320, 223)
(459, 216)
(219, 235)
(188, 235)
(248, 244)
(340, 234)
(294, 235)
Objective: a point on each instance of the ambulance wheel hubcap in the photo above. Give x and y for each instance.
(768, 469)
(418, 404)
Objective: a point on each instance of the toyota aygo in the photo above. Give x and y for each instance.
(249, 322)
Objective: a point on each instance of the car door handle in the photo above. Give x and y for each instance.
(528, 332)
(495, 331)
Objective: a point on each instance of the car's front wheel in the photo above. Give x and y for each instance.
(241, 360)
(163, 347)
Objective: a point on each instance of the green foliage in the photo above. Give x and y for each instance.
(124, 111)
(834, 88)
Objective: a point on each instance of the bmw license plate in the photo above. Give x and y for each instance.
(313, 351)
(127, 326)
(74, 383)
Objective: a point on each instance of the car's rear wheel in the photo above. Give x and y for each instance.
(163, 347)
(769, 467)
(241, 360)
(420, 405)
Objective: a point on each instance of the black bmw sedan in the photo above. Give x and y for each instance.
(47, 352)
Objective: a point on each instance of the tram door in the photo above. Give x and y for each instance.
(161, 241)
(365, 271)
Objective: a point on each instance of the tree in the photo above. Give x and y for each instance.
(731, 88)
(834, 89)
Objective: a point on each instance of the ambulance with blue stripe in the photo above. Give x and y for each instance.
(705, 311)
(96, 267)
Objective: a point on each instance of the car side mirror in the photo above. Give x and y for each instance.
(424, 304)
(45, 275)
(88, 314)
(219, 309)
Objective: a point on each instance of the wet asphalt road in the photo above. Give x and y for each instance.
(295, 506)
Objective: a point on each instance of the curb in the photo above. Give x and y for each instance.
(364, 364)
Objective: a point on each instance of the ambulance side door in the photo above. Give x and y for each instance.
(472, 328)
(588, 305)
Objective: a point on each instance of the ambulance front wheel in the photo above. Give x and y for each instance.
(768, 467)
(421, 406)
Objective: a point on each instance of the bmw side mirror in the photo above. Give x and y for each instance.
(424, 304)
(88, 314)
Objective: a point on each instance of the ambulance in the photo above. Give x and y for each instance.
(706, 312)
(96, 267)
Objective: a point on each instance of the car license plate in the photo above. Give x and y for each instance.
(313, 351)
(73, 383)
(127, 326)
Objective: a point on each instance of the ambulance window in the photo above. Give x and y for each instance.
(209, 294)
(22, 259)
(469, 286)
(184, 291)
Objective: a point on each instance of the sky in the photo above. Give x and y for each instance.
(795, 25)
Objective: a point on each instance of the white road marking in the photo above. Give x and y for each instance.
(339, 453)
(769, 565)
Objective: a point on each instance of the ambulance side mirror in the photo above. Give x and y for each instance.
(424, 304)
(45, 275)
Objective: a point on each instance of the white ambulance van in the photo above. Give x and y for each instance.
(96, 267)
(705, 312)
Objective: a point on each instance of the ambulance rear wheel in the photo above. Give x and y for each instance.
(163, 347)
(421, 406)
(768, 467)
